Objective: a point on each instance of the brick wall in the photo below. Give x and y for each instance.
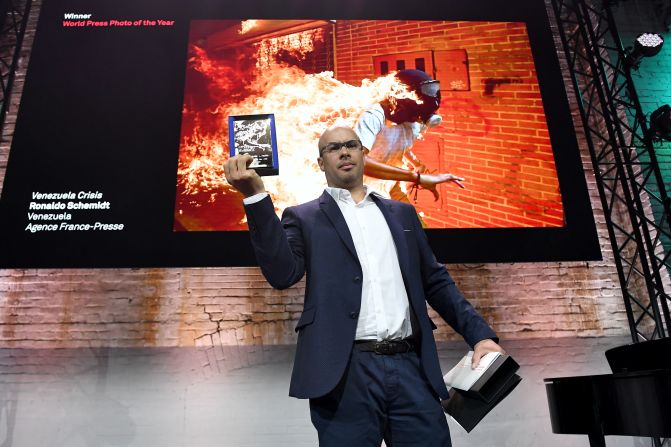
(217, 307)
(494, 135)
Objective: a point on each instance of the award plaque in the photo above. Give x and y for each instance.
(255, 135)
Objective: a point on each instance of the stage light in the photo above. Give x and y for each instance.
(660, 123)
(645, 45)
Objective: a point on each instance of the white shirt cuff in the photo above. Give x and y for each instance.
(255, 198)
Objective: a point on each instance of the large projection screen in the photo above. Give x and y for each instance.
(116, 160)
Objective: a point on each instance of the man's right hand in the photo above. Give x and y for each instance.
(247, 181)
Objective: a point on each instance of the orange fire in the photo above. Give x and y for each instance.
(304, 106)
(247, 25)
(222, 77)
(297, 44)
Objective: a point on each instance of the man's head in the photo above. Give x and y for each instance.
(341, 158)
(426, 89)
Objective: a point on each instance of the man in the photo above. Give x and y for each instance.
(388, 130)
(365, 357)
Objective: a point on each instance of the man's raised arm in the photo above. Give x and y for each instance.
(278, 245)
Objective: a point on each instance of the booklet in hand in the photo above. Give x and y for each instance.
(255, 135)
(475, 392)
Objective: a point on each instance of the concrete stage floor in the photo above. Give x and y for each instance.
(237, 396)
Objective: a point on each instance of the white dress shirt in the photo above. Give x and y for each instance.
(385, 312)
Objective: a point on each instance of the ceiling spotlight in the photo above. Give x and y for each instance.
(660, 123)
(645, 45)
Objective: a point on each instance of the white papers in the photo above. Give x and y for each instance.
(463, 377)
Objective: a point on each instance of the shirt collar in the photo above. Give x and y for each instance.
(343, 195)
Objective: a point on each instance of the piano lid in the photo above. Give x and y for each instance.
(646, 355)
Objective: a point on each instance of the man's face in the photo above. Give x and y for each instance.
(343, 167)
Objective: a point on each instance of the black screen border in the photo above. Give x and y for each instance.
(155, 244)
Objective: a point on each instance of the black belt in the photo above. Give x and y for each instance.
(385, 347)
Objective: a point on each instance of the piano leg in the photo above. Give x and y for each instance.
(597, 439)
(596, 434)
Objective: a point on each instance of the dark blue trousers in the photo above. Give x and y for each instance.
(381, 397)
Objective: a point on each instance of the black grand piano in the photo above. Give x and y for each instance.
(633, 401)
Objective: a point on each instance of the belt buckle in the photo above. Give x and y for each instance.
(383, 347)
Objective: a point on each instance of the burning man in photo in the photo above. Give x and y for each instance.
(309, 78)
(388, 130)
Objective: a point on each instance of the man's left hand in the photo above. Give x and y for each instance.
(483, 347)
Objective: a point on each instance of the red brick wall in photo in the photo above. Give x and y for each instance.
(494, 135)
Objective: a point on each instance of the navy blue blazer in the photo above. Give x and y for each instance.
(313, 239)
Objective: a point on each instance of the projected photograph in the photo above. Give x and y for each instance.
(490, 127)
(123, 165)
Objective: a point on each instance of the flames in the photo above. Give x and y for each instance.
(304, 106)
(295, 44)
(247, 25)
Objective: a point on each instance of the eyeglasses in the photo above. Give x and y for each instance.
(351, 145)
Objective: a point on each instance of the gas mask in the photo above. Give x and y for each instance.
(419, 129)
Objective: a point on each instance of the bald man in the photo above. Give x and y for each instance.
(365, 356)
